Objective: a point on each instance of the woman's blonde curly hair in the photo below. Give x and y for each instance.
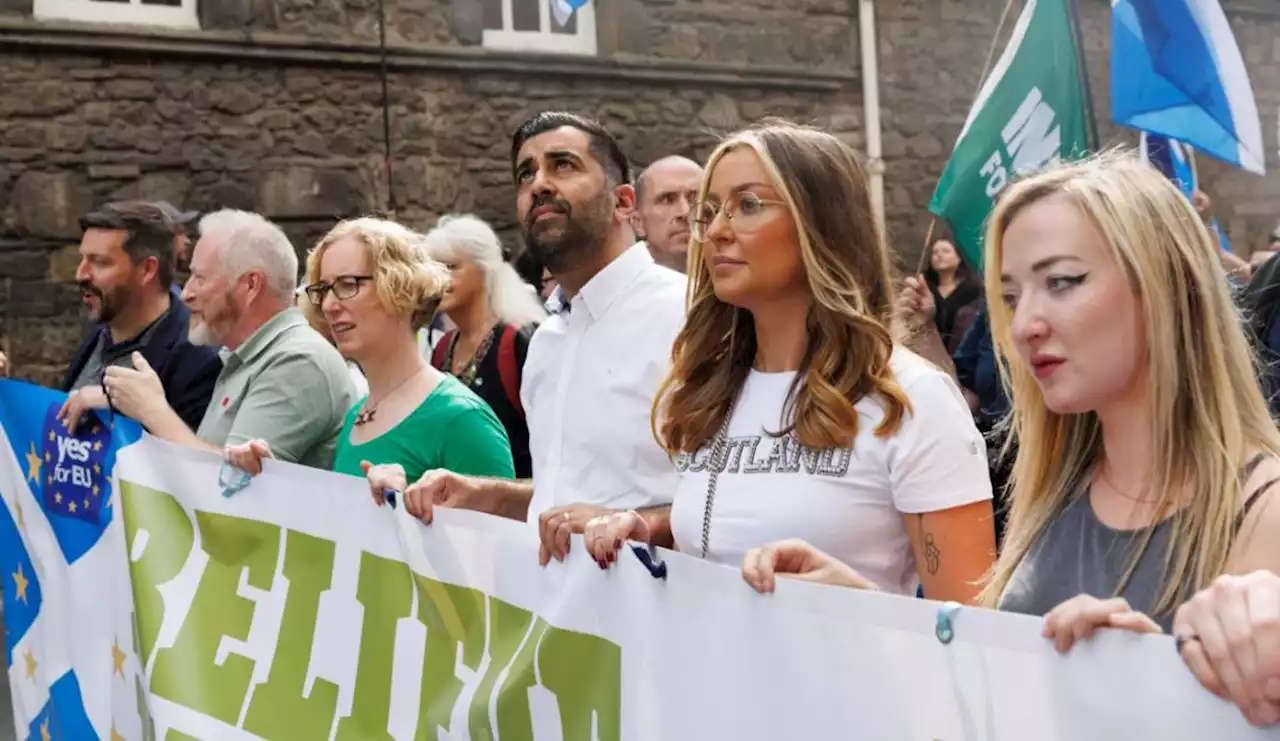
(406, 280)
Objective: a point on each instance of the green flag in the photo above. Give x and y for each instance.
(1030, 112)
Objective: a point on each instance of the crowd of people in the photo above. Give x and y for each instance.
(789, 408)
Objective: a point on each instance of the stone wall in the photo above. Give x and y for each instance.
(300, 139)
(276, 107)
(814, 34)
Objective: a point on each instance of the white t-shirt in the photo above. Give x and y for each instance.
(848, 503)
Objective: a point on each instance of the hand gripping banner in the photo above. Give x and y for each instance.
(297, 609)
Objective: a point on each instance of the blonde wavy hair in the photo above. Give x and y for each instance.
(1208, 411)
(406, 280)
(824, 185)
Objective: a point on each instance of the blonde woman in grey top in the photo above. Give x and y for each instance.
(1146, 455)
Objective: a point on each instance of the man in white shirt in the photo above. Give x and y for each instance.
(593, 369)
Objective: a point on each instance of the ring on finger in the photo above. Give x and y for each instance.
(1180, 641)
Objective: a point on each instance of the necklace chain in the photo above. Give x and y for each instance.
(1106, 479)
(370, 411)
(469, 372)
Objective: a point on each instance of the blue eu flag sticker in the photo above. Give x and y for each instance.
(76, 482)
(68, 474)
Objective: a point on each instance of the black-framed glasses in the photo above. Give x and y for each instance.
(745, 211)
(344, 287)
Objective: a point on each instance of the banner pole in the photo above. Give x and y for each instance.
(928, 242)
(1073, 12)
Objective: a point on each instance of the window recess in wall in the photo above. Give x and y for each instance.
(551, 26)
(171, 13)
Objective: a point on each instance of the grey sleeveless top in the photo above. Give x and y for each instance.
(1078, 554)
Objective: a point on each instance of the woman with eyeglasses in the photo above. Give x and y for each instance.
(790, 408)
(373, 286)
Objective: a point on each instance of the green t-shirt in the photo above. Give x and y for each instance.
(451, 429)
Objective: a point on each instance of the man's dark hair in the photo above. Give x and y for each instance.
(149, 233)
(601, 143)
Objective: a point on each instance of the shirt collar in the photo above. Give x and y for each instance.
(138, 340)
(612, 281)
(262, 338)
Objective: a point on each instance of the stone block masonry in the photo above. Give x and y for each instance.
(302, 144)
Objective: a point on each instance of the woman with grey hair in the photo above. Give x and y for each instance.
(495, 314)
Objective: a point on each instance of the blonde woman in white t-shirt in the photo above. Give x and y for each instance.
(790, 410)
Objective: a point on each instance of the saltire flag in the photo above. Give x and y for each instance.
(1176, 70)
(563, 10)
(67, 651)
(1031, 112)
(1174, 159)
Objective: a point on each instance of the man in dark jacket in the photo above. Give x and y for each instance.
(126, 278)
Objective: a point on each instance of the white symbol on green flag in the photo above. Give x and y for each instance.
(1030, 112)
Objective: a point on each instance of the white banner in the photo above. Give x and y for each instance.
(296, 609)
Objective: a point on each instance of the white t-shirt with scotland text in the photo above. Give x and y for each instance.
(846, 502)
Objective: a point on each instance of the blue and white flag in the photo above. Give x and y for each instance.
(1176, 70)
(563, 10)
(1175, 160)
(68, 636)
(1171, 158)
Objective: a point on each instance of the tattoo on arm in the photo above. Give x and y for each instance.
(932, 556)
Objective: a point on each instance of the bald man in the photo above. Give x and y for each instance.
(665, 193)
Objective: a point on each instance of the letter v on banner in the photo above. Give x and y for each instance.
(1031, 111)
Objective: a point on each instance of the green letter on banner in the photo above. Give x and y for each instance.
(278, 709)
(452, 615)
(514, 717)
(169, 540)
(385, 593)
(585, 673)
(186, 673)
(508, 626)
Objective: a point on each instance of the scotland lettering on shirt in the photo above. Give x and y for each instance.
(850, 501)
(768, 454)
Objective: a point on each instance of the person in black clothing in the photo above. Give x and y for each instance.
(495, 313)
(979, 379)
(126, 276)
(955, 292)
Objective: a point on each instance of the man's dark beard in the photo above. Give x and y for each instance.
(109, 304)
(578, 236)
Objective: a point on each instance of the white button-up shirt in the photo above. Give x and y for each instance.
(590, 379)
